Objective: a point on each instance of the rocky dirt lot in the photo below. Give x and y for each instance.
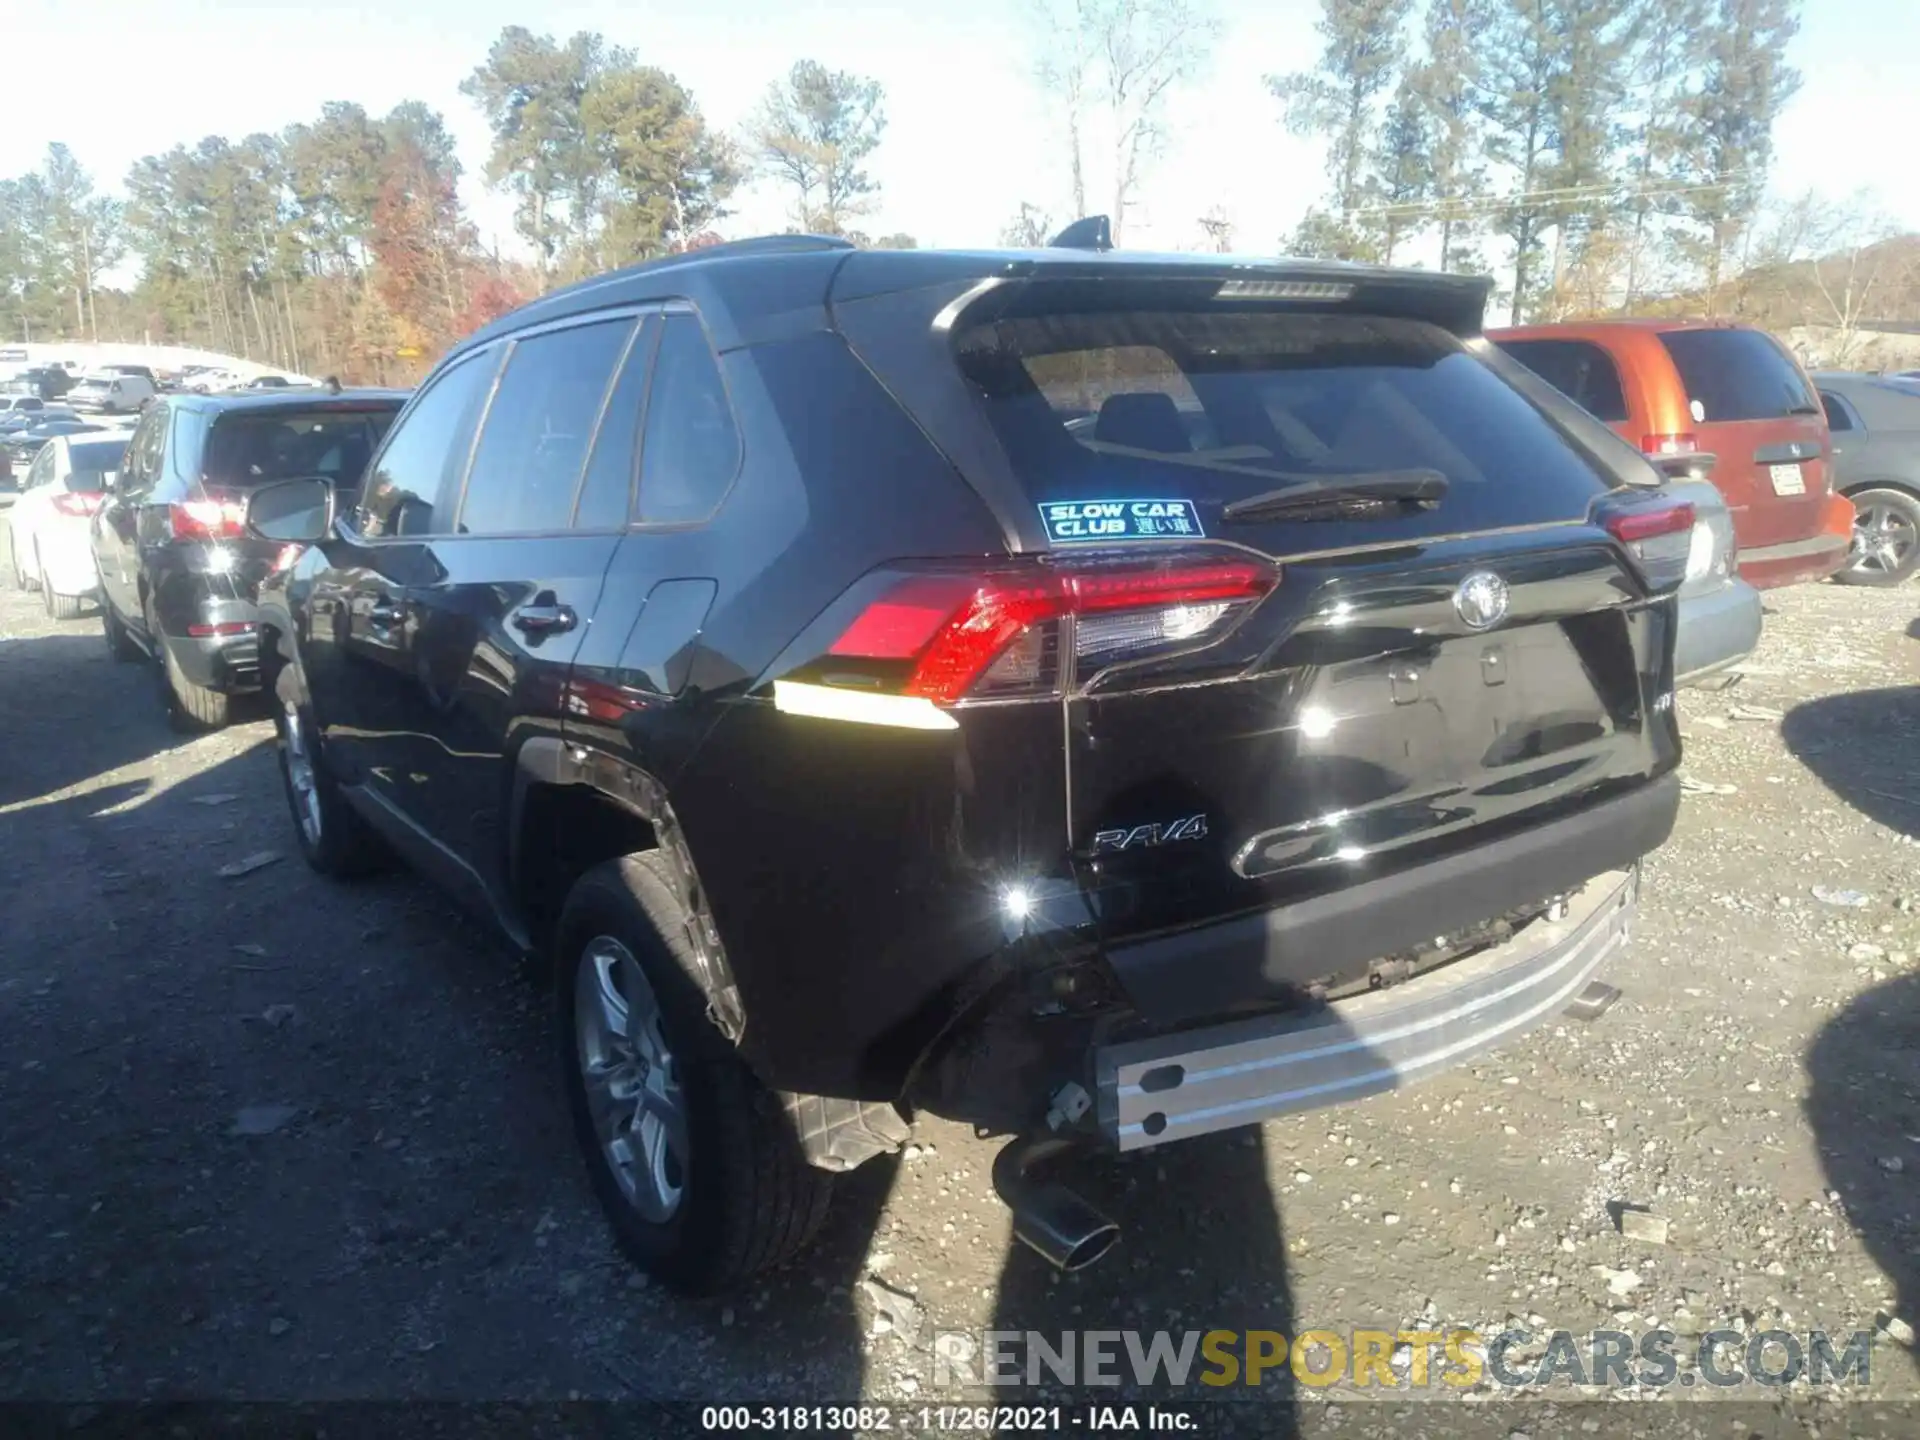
(262, 1137)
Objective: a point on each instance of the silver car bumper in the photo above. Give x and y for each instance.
(1718, 629)
(1243, 1072)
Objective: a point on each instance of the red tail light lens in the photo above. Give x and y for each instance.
(207, 520)
(223, 629)
(1683, 443)
(1657, 532)
(79, 504)
(1631, 526)
(957, 632)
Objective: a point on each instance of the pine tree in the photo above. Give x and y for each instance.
(1364, 52)
(1445, 83)
(1727, 125)
(814, 132)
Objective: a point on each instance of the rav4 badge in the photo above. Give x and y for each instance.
(1143, 837)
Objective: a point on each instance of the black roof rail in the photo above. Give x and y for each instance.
(767, 245)
(1094, 232)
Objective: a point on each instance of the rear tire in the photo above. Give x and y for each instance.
(737, 1196)
(120, 645)
(1886, 538)
(190, 708)
(333, 839)
(20, 578)
(60, 607)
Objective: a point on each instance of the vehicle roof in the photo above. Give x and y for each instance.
(782, 286)
(1648, 326)
(290, 399)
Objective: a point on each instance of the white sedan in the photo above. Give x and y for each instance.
(48, 538)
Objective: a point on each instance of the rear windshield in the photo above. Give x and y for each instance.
(247, 450)
(1738, 375)
(91, 459)
(1209, 407)
(1578, 369)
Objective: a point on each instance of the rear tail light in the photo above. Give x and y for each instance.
(1683, 443)
(1658, 533)
(80, 504)
(221, 630)
(207, 519)
(945, 638)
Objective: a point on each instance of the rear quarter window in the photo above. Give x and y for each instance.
(1213, 406)
(1579, 369)
(1738, 375)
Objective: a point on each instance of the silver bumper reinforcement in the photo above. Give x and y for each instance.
(1196, 1081)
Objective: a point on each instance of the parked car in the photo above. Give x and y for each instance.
(21, 406)
(178, 577)
(139, 372)
(14, 421)
(111, 394)
(268, 382)
(23, 444)
(1875, 424)
(1681, 388)
(47, 528)
(1096, 789)
(49, 382)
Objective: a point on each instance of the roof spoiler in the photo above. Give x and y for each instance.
(1094, 232)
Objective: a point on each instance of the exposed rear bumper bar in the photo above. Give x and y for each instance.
(1268, 956)
(1173, 1086)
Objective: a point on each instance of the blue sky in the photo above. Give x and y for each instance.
(966, 140)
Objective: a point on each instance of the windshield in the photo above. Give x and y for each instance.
(1199, 409)
(247, 450)
(1738, 375)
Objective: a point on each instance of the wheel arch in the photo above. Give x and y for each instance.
(572, 809)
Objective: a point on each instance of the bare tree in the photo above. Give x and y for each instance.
(1110, 65)
(1219, 230)
(1029, 230)
(1852, 251)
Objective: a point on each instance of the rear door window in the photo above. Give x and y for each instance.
(1836, 408)
(527, 466)
(1210, 407)
(1738, 375)
(1578, 369)
(607, 493)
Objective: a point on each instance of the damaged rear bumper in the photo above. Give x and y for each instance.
(1218, 1077)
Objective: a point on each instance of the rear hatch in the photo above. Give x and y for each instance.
(1754, 409)
(234, 453)
(1265, 695)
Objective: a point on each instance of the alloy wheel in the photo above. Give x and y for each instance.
(302, 782)
(1883, 539)
(631, 1081)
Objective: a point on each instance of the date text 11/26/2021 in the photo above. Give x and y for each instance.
(950, 1419)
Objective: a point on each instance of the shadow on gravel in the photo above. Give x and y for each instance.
(1865, 747)
(1864, 1105)
(68, 712)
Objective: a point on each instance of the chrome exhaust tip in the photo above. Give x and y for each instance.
(1052, 1221)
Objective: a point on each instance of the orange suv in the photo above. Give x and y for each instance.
(1716, 397)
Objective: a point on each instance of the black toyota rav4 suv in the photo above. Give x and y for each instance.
(1101, 698)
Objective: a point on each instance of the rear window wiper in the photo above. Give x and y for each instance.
(1804, 410)
(1336, 494)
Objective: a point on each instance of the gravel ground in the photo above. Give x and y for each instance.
(262, 1137)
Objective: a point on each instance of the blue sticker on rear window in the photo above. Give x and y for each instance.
(1072, 522)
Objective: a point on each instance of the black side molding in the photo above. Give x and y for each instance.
(1266, 957)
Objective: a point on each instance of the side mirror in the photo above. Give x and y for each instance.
(296, 512)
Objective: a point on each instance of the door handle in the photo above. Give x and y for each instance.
(544, 619)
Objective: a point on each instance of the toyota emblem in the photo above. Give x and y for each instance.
(1481, 600)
